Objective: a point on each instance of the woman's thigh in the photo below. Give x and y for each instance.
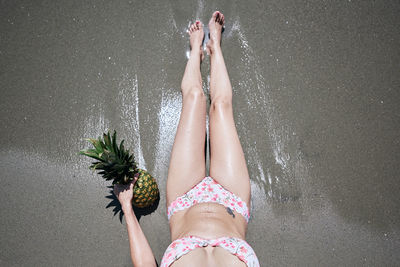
(227, 161)
(187, 163)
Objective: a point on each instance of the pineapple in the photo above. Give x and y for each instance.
(115, 163)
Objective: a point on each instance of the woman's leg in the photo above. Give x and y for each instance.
(227, 162)
(187, 163)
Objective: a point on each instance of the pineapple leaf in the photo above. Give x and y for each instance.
(93, 166)
(111, 147)
(107, 140)
(114, 142)
(103, 146)
(121, 148)
(91, 140)
(92, 151)
(97, 145)
(89, 154)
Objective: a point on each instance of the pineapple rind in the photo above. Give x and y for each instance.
(145, 190)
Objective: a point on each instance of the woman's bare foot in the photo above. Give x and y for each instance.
(196, 38)
(215, 26)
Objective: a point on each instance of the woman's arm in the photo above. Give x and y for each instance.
(141, 253)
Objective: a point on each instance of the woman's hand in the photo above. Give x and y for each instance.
(124, 193)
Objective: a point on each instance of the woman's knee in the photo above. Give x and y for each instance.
(221, 104)
(194, 95)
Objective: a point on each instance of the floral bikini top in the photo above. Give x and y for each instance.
(236, 246)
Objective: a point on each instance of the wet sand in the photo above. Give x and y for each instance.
(316, 103)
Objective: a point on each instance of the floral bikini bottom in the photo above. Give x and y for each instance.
(208, 190)
(236, 246)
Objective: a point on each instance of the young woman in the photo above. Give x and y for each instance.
(207, 216)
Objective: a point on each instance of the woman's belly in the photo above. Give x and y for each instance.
(207, 220)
